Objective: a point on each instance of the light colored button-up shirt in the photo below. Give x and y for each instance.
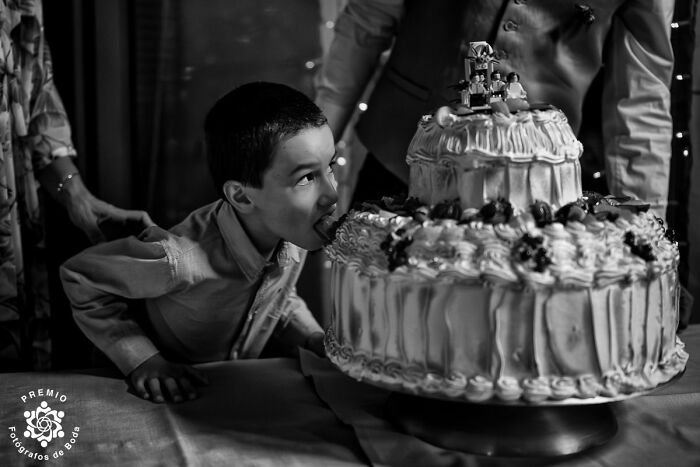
(209, 294)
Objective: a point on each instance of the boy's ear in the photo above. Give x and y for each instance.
(237, 195)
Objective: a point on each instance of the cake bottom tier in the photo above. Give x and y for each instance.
(474, 341)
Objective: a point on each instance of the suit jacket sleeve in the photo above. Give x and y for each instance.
(637, 125)
(362, 32)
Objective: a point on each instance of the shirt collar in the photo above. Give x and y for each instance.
(242, 248)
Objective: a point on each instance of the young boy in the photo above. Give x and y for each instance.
(218, 285)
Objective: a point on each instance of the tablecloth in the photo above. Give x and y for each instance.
(253, 413)
(658, 429)
(285, 412)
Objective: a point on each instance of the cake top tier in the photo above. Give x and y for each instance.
(460, 136)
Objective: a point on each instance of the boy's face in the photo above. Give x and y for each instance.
(297, 190)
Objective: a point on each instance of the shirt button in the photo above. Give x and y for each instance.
(510, 26)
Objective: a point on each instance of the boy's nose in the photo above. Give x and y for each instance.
(329, 194)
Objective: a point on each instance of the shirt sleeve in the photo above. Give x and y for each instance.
(637, 125)
(363, 30)
(297, 322)
(48, 127)
(98, 283)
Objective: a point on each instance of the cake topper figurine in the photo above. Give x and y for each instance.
(513, 89)
(497, 88)
(485, 87)
(476, 92)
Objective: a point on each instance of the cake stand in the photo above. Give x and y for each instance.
(509, 429)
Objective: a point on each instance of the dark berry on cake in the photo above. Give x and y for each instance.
(528, 250)
(575, 211)
(542, 212)
(446, 210)
(592, 199)
(496, 212)
(639, 247)
(421, 214)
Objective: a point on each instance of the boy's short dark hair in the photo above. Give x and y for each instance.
(244, 127)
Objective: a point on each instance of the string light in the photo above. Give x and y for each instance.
(680, 134)
(362, 106)
(685, 152)
(597, 175)
(682, 77)
(341, 161)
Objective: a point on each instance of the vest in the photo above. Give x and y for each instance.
(555, 46)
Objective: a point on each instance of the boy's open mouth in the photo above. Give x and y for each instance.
(326, 226)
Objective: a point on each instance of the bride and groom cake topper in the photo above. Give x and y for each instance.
(483, 83)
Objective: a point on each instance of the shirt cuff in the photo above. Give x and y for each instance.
(130, 352)
(64, 151)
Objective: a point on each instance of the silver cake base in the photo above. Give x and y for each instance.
(502, 430)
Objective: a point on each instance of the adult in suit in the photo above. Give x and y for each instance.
(557, 47)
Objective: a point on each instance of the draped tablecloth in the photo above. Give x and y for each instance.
(278, 412)
(658, 429)
(253, 413)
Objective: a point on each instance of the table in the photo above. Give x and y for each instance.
(302, 412)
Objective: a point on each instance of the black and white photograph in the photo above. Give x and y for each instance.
(316, 233)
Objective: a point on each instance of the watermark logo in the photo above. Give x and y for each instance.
(44, 424)
(43, 436)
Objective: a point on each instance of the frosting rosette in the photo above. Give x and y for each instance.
(513, 252)
(536, 389)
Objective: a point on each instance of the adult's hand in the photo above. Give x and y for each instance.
(99, 220)
(103, 221)
(159, 380)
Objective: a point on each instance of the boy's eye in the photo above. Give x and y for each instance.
(306, 179)
(310, 177)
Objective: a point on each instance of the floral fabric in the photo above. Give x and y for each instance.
(34, 130)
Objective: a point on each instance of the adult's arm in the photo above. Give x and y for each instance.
(45, 131)
(637, 125)
(98, 219)
(363, 30)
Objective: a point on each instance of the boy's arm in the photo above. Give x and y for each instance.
(298, 327)
(100, 279)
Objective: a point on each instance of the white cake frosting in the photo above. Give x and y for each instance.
(520, 157)
(487, 299)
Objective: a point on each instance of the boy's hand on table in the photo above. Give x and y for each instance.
(159, 380)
